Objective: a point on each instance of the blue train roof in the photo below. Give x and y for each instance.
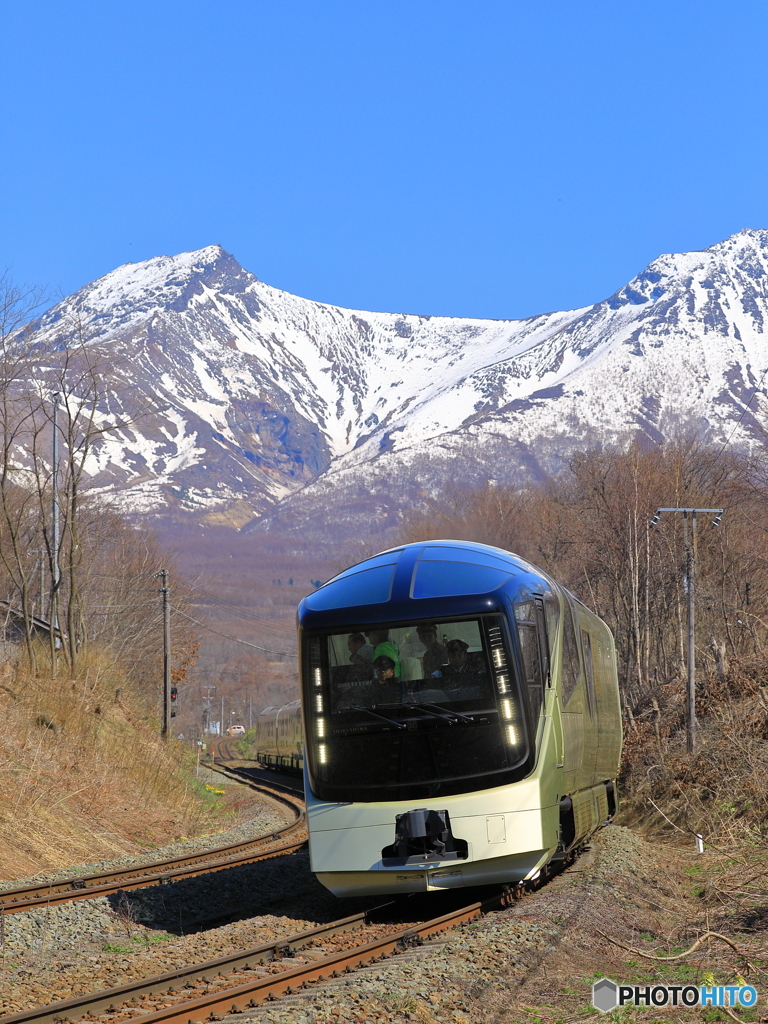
(422, 580)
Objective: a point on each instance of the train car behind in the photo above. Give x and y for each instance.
(279, 741)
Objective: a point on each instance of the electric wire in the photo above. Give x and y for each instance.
(282, 654)
(199, 596)
(283, 628)
(743, 414)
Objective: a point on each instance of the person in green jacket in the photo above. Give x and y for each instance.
(382, 645)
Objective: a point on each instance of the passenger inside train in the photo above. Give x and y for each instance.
(445, 717)
(424, 668)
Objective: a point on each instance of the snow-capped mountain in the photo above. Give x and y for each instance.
(269, 403)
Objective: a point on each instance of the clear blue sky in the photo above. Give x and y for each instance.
(473, 159)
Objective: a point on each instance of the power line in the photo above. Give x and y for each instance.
(283, 654)
(236, 612)
(743, 414)
(246, 612)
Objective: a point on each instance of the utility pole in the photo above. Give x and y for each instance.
(207, 713)
(165, 590)
(689, 543)
(55, 570)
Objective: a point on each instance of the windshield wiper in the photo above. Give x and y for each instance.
(444, 712)
(375, 714)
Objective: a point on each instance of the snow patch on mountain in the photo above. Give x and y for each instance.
(263, 396)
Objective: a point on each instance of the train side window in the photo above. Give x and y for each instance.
(542, 631)
(589, 669)
(571, 671)
(525, 617)
(552, 615)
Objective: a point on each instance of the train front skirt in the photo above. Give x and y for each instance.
(513, 836)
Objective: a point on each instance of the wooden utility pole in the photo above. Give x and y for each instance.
(56, 539)
(689, 543)
(690, 572)
(165, 591)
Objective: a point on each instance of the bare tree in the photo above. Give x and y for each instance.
(18, 303)
(100, 569)
(589, 529)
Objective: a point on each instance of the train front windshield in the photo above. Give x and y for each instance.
(418, 710)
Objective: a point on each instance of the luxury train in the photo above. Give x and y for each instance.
(461, 721)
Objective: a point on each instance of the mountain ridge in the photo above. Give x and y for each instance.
(277, 406)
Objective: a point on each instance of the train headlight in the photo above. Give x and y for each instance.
(319, 703)
(506, 708)
(511, 735)
(322, 753)
(321, 727)
(318, 677)
(503, 684)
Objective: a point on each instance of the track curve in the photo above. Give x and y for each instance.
(218, 858)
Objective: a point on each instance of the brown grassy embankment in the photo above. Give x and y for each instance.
(85, 777)
(718, 791)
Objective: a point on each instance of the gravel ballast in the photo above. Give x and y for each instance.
(489, 970)
(74, 948)
(31, 941)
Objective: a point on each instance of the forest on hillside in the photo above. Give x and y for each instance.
(591, 530)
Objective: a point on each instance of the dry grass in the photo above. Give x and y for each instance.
(83, 776)
(718, 791)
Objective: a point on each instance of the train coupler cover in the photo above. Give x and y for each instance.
(423, 834)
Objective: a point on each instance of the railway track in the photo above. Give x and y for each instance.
(159, 872)
(221, 750)
(246, 978)
(223, 758)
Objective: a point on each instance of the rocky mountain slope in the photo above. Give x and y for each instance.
(265, 410)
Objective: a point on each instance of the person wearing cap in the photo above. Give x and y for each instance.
(435, 656)
(462, 670)
(384, 688)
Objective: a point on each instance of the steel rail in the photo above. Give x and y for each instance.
(140, 876)
(97, 1002)
(288, 781)
(143, 881)
(258, 990)
(286, 784)
(221, 753)
(221, 750)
